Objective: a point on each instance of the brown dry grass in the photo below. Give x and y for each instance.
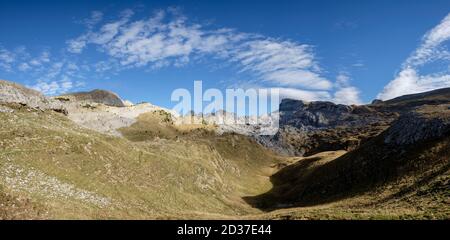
(162, 171)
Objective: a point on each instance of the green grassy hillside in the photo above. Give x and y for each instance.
(51, 168)
(405, 177)
(64, 171)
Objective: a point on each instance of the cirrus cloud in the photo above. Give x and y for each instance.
(167, 38)
(432, 49)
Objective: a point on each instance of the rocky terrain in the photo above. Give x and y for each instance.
(412, 152)
(310, 128)
(95, 96)
(93, 155)
(11, 92)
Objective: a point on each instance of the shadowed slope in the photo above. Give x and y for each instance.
(413, 156)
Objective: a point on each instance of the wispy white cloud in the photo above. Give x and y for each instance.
(55, 87)
(20, 59)
(432, 48)
(358, 64)
(163, 40)
(49, 88)
(105, 34)
(281, 62)
(409, 81)
(167, 38)
(42, 59)
(50, 75)
(345, 93)
(306, 95)
(60, 77)
(342, 79)
(24, 67)
(76, 45)
(7, 58)
(429, 49)
(95, 18)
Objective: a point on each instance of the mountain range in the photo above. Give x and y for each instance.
(92, 155)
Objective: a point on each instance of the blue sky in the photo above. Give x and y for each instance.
(341, 51)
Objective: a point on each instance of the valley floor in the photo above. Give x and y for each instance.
(51, 168)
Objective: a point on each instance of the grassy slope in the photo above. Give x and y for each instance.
(373, 181)
(143, 178)
(412, 196)
(51, 168)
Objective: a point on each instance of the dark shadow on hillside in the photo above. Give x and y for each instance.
(426, 180)
(363, 170)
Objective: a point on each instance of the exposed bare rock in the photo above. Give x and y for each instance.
(128, 103)
(307, 128)
(411, 155)
(418, 126)
(95, 96)
(99, 110)
(11, 92)
(108, 119)
(397, 159)
(225, 122)
(15, 93)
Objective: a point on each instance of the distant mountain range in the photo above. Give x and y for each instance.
(92, 155)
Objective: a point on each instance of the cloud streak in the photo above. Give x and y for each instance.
(281, 62)
(50, 75)
(431, 50)
(167, 38)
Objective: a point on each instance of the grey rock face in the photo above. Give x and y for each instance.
(325, 114)
(14, 93)
(95, 96)
(316, 114)
(310, 127)
(415, 127)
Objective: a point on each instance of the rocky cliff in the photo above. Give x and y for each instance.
(396, 163)
(409, 161)
(310, 127)
(424, 124)
(11, 92)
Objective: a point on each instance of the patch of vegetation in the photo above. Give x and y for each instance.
(160, 170)
(147, 177)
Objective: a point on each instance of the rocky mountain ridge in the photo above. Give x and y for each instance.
(305, 128)
(309, 128)
(11, 92)
(414, 151)
(89, 159)
(95, 96)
